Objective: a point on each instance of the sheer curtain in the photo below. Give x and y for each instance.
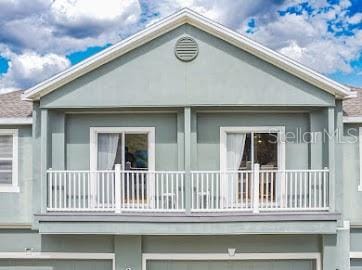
(107, 150)
(235, 144)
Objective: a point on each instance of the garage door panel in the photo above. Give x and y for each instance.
(24, 264)
(232, 265)
(356, 264)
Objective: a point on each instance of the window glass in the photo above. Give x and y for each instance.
(136, 151)
(244, 149)
(266, 150)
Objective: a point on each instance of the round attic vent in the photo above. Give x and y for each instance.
(186, 49)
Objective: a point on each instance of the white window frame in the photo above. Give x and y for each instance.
(150, 131)
(256, 129)
(94, 131)
(13, 187)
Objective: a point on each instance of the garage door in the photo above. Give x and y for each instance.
(232, 265)
(24, 264)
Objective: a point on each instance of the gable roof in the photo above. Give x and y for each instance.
(169, 23)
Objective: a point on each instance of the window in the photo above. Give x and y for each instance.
(133, 148)
(9, 160)
(242, 147)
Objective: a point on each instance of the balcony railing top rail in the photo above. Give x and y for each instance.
(165, 191)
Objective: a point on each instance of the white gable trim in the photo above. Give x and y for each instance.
(16, 121)
(207, 25)
(352, 119)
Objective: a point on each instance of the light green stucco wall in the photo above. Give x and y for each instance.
(205, 140)
(78, 132)
(152, 76)
(16, 208)
(351, 167)
(208, 135)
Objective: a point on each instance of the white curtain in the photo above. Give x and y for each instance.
(235, 144)
(107, 150)
(235, 149)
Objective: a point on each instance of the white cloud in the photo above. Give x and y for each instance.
(81, 18)
(36, 35)
(307, 39)
(29, 68)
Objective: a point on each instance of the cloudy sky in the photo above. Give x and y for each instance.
(39, 38)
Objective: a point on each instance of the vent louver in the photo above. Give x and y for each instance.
(186, 49)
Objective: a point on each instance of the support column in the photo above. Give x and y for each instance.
(329, 254)
(343, 247)
(43, 159)
(188, 186)
(316, 126)
(180, 141)
(128, 252)
(331, 159)
(36, 163)
(57, 125)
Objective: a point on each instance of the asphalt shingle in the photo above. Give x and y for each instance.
(353, 106)
(11, 105)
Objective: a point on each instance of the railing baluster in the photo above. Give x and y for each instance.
(319, 189)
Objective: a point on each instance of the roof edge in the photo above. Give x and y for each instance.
(16, 121)
(171, 22)
(352, 119)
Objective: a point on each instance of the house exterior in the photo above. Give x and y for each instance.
(186, 146)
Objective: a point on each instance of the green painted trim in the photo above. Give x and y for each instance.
(329, 253)
(43, 159)
(187, 130)
(331, 158)
(180, 141)
(35, 157)
(58, 143)
(205, 228)
(194, 160)
(128, 252)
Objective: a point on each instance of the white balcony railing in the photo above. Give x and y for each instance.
(260, 190)
(115, 191)
(211, 191)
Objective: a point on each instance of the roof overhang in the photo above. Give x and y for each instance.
(16, 121)
(171, 22)
(352, 119)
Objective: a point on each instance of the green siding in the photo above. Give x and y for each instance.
(208, 135)
(78, 130)
(17, 207)
(351, 167)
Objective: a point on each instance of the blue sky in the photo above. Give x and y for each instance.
(40, 38)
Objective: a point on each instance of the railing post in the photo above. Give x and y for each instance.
(117, 187)
(256, 188)
(50, 188)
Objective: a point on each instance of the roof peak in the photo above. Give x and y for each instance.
(186, 15)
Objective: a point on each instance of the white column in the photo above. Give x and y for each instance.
(256, 188)
(117, 187)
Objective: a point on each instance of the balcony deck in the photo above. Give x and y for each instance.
(127, 192)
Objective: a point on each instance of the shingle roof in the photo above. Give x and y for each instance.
(11, 105)
(353, 106)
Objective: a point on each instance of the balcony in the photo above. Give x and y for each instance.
(251, 191)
